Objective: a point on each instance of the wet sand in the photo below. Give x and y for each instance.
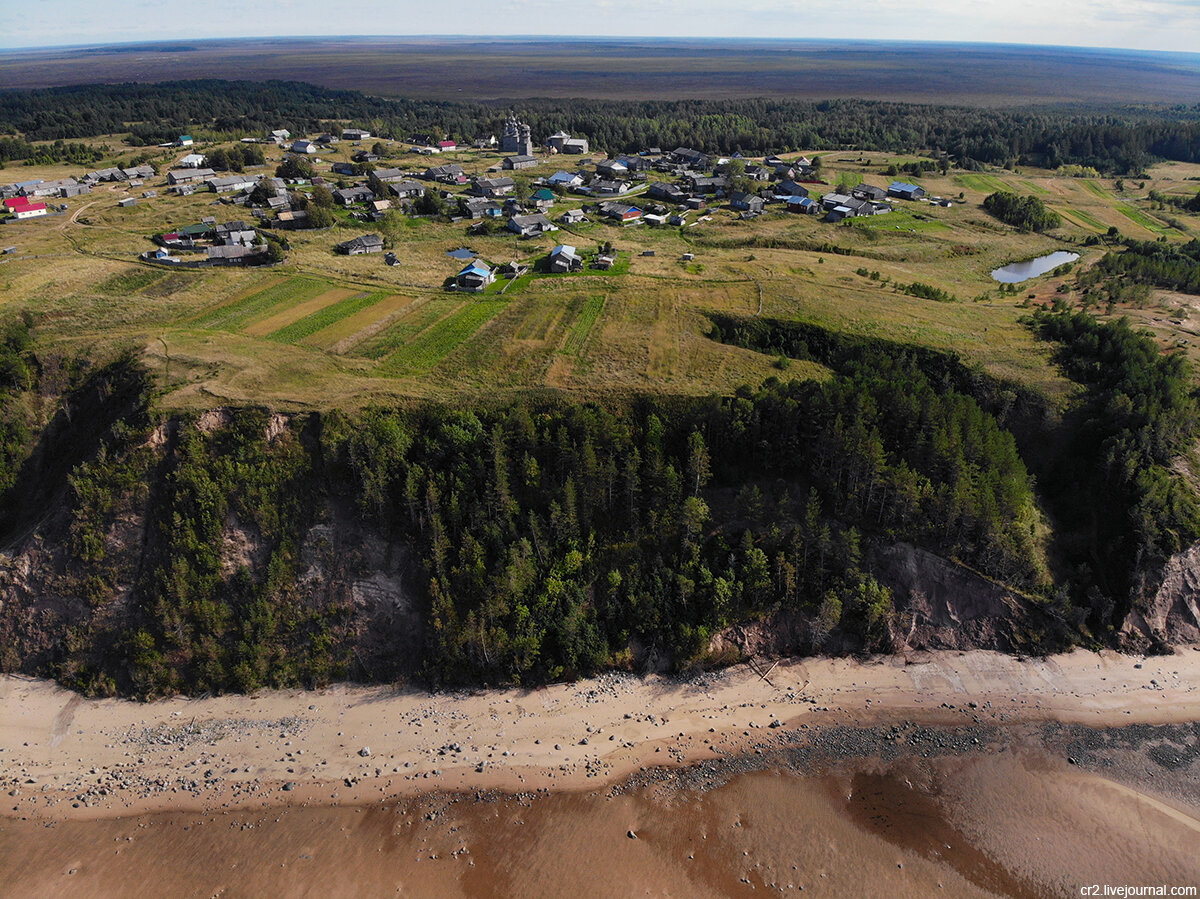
(984, 774)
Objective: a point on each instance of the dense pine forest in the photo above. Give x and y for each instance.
(1116, 141)
(549, 540)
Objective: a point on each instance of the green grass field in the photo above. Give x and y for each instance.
(1138, 217)
(1093, 188)
(330, 315)
(433, 344)
(240, 313)
(983, 183)
(582, 328)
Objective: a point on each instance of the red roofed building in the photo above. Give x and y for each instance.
(446, 145)
(21, 208)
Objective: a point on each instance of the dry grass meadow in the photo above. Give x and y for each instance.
(322, 330)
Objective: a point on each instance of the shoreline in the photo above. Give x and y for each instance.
(67, 758)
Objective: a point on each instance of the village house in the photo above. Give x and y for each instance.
(192, 161)
(475, 277)
(869, 192)
(565, 179)
(515, 163)
(480, 207)
(573, 217)
(905, 191)
(406, 190)
(790, 188)
(348, 196)
(670, 193)
(232, 183)
(493, 187)
(233, 254)
(446, 174)
(562, 142)
(389, 175)
(603, 188)
(187, 176)
(543, 199)
(303, 148)
(184, 140)
(563, 258)
(611, 169)
(621, 212)
(292, 220)
(447, 145)
(280, 135)
(689, 158)
(110, 174)
(59, 187)
(747, 202)
(802, 205)
(634, 163)
(704, 184)
(138, 171)
(21, 208)
(344, 168)
(368, 243)
(355, 134)
(530, 225)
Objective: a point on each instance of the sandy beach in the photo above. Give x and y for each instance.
(839, 767)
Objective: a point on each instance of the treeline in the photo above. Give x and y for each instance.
(546, 541)
(1171, 266)
(1121, 142)
(1026, 213)
(14, 148)
(1123, 507)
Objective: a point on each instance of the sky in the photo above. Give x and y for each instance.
(1126, 24)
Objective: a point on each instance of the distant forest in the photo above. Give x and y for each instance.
(1122, 141)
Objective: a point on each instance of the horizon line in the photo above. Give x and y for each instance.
(597, 39)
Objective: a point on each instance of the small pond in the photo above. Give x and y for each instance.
(462, 253)
(1016, 272)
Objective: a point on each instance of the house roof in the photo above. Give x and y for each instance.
(543, 194)
(476, 268)
(902, 185)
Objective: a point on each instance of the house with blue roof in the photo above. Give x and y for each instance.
(475, 277)
(905, 191)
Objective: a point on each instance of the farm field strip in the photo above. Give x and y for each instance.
(432, 345)
(1093, 188)
(265, 326)
(347, 331)
(982, 183)
(323, 318)
(236, 315)
(1140, 218)
(1085, 219)
(582, 328)
(1035, 188)
(407, 327)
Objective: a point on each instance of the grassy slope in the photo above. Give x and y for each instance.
(322, 329)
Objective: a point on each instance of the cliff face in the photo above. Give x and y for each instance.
(937, 604)
(942, 605)
(1172, 615)
(345, 582)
